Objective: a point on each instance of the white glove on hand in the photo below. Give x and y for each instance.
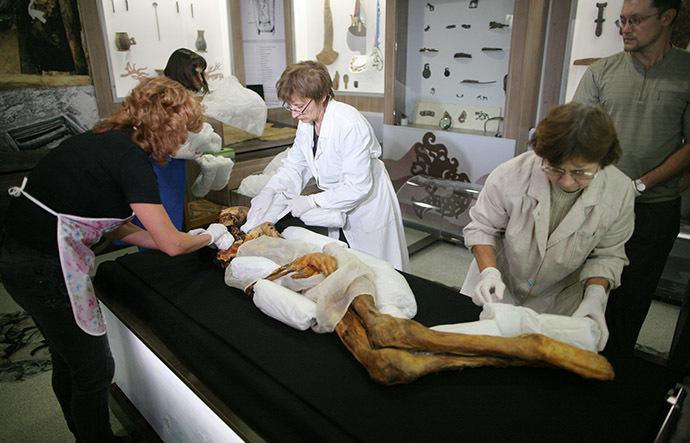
(593, 306)
(225, 241)
(197, 231)
(199, 142)
(216, 231)
(490, 288)
(300, 203)
(258, 209)
(214, 175)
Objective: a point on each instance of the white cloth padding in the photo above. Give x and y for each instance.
(279, 250)
(327, 218)
(235, 105)
(512, 321)
(243, 271)
(252, 184)
(303, 234)
(393, 294)
(300, 284)
(284, 305)
(334, 295)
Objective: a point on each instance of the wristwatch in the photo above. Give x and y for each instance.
(639, 185)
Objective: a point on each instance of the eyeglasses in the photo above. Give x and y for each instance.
(633, 21)
(289, 109)
(575, 174)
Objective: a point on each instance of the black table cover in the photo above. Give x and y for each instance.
(290, 385)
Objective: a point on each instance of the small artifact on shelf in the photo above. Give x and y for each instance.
(446, 72)
(430, 6)
(491, 49)
(355, 83)
(200, 42)
(433, 91)
(427, 28)
(336, 80)
(427, 113)
(481, 115)
(450, 26)
(473, 3)
(428, 50)
(462, 117)
(123, 41)
(445, 121)
(459, 95)
(462, 55)
(345, 79)
(466, 25)
(497, 25)
(600, 18)
(585, 61)
(482, 97)
(477, 82)
(426, 73)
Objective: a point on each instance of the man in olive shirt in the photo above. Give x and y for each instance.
(646, 90)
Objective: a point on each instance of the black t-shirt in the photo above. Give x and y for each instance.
(88, 175)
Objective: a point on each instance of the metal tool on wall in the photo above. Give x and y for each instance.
(357, 32)
(327, 55)
(600, 18)
(158, 27)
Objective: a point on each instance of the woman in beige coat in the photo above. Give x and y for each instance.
(549, 228)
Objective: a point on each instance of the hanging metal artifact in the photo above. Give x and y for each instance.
(488, 49)
(327, 54)
(427, 113)
(345, 80)
(155, 11)
(446, 72)
(462, 55)
(426, 73)
(477, 82)
(462, 117)
(357, 32)
(600, 18)
(445, 121)
(497, 25)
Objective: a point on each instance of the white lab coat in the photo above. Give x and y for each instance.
(353, 179)
(541, 271)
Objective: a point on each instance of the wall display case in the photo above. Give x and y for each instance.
(457, 60)
(140, 36)
(347, 36)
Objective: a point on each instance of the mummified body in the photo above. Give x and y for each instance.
(395, 350)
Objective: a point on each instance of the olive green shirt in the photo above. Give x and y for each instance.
(650, 109)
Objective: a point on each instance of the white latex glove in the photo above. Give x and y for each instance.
(593, 305)
(300, 203)
(258, 209)
(490, 288)
(199, 142)
(214, 175)
(216, 231)
(197, 231)
(225, 241)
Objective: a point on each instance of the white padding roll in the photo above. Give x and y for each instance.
(284, 305)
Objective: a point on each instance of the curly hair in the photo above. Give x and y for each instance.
(159, 112)
(575, 130)
(308, 79)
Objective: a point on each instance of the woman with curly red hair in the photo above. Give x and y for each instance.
(91, 185)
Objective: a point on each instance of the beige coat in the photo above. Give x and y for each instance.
(542, 272)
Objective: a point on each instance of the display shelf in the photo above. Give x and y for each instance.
(140, 36)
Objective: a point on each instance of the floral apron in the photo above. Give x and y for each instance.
(75, 235)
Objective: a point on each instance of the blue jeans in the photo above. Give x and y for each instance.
(83, 367)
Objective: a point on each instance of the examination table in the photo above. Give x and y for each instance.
(269, 381)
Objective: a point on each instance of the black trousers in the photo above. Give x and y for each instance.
(656, 228)
(83, 366)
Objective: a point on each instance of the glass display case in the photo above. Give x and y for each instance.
(348, 37)
(457, 63)
(140, 36)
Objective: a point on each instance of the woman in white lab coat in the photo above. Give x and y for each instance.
(549, 228)
(336, 146)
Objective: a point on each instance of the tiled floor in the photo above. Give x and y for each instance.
(29, 411)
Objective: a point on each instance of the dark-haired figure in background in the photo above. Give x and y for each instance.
(188, 68)
(91, 185)
(549, 227)
(646, 91)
